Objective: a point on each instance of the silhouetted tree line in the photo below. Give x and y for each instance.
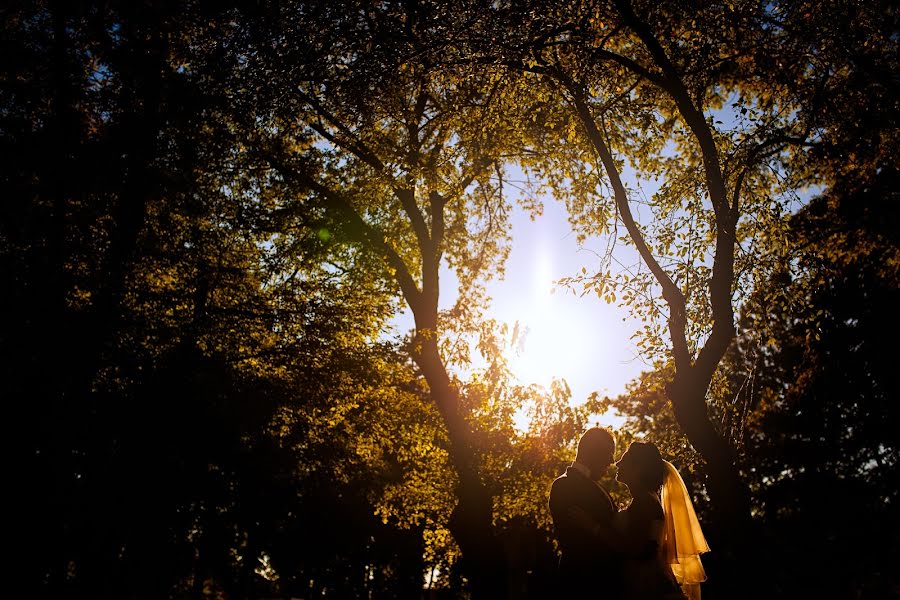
(201, 401)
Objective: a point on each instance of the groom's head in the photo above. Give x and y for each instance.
(595, 450)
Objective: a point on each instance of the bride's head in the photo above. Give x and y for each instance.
(641, 468)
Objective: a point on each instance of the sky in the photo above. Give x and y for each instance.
(581, 339)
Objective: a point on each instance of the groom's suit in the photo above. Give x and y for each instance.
(588, 566)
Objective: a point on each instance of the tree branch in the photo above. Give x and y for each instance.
(632, 66)
(405, 194)
(360, 231)
(726, 219)
(355, 147)
(671, 292)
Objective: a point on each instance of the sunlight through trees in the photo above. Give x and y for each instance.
(216, 212)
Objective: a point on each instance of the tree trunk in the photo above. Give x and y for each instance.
(735, 539)
(472, 520)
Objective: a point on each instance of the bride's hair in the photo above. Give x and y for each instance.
(651, 469)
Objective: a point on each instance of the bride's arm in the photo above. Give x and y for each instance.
(644, 531)
(605, 533)
(639, 544)
(635, 541)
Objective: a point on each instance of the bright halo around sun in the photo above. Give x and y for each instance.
(555, 333)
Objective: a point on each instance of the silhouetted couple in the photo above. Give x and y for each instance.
(648, 551)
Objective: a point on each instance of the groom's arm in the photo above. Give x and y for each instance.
(569, 531)
(603, 533)
(574, 526)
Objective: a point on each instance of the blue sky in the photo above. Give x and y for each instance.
(580, 339)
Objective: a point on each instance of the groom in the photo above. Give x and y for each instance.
(589, 565)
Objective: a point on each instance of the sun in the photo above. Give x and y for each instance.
(555, 334)
(564, 335)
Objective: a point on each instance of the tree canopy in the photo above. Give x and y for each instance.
(214, 211)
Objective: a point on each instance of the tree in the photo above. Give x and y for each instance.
(214, 209)
(799, 393)
(822, 387)
(370, 143)
(643, 88)
(640, 83)
(152, 344)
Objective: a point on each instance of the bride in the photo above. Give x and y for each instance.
(661, 536)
